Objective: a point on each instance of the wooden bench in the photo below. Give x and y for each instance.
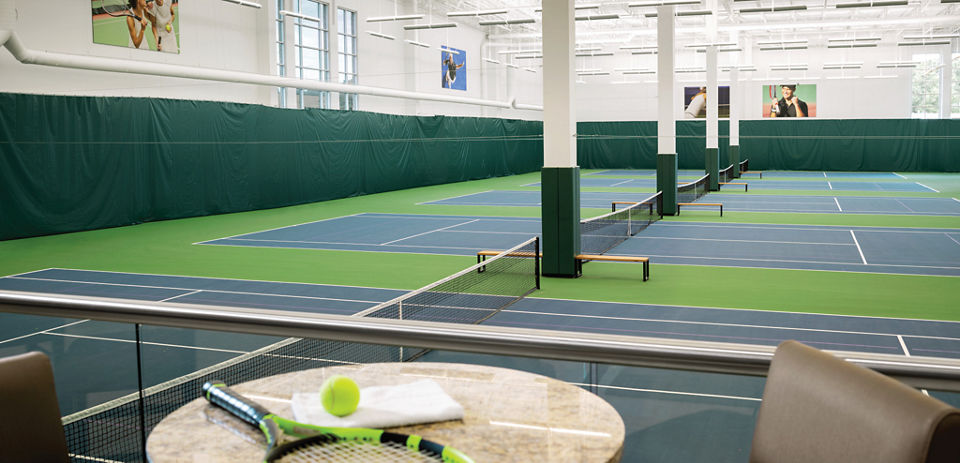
(720, 205)
(581, 258)
(745, 185)
(760, 173)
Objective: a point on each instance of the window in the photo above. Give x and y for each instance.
(311, 51)
(281, 69)
(926, 86)
(347, 53)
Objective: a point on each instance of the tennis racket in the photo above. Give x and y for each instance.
(118, 8)
(317, 443)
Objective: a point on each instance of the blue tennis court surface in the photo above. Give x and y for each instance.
(99, 350)
(915, 251)
(766, 173)
(735, 202)
(764, 184)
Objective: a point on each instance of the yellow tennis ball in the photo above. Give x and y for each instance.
(169, 27)
(340, 395)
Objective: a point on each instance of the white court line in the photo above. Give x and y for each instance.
(838, 203)
(646, 237)
(858, 247)
(160, 344)
(621, 183)
(454, 197)
(473, 248)
(803, 314)
(934, 189)
(733, 325)
(194, 290)
(181, 295)
(825, 175)
(43, 332)
(907, 353)
(281, 228)
(735, 225)
(903, 345)
(429, 232)
(830, 185)
(97, 459)
(904, 205)
(212, 278)
(955, 199)
(901, 176)
(948, 236)
(788, 261)
(659, 391)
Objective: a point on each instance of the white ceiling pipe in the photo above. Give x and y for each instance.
(92, 63)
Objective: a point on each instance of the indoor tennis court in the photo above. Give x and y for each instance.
(598, 231)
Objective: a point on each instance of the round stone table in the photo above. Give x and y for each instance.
(509, 416)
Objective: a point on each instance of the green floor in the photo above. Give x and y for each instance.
(166, 248)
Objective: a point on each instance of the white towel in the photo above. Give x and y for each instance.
(423, 401)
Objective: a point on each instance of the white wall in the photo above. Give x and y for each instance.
(838, 97)
(214, 34)
(221, 35)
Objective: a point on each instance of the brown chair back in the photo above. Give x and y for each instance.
(818, 408)
(30, 426)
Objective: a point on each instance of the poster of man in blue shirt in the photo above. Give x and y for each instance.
(452, 63)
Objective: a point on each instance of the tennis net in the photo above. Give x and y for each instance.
(744, 165)
(599, 234)
(114, 431)
(473, 294)
(726, 174)
(690, 192)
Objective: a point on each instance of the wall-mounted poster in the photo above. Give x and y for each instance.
(789, 100)
(142, 24)
(695, 102)
(453, 62)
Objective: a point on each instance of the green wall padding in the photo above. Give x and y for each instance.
(885, 145)
(80, 163)
(633, 145)
(888, 145)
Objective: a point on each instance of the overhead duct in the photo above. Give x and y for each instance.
(93, 63)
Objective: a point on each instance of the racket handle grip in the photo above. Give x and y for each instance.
(220, 395)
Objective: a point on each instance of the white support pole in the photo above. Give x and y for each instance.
(712, 99)
(559, 112)
(735, 106)
(946, 80)
(666, 98)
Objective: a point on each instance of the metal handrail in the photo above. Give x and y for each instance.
(743, 359)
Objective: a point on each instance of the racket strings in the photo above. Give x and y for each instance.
(349, 451)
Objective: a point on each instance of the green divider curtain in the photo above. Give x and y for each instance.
(80, 163)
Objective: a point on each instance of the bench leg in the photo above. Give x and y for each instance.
(721, 210)
(646, 270)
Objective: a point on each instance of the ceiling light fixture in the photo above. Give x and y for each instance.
(406, 17)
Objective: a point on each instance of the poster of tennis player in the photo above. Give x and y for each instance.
(145, 25)
(453, 65)
(695, 102)
(789, 100)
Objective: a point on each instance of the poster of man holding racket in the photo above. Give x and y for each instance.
(451, 66)
(789, 100)
(142, 24)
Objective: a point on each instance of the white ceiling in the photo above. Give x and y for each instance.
(821, 21)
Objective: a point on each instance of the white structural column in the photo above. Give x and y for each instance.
(712, 152)
(666, 110)
(735, 119)
(712, 98)
(559, 113)
(946, 80)
(666, 100)
(560, 177)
